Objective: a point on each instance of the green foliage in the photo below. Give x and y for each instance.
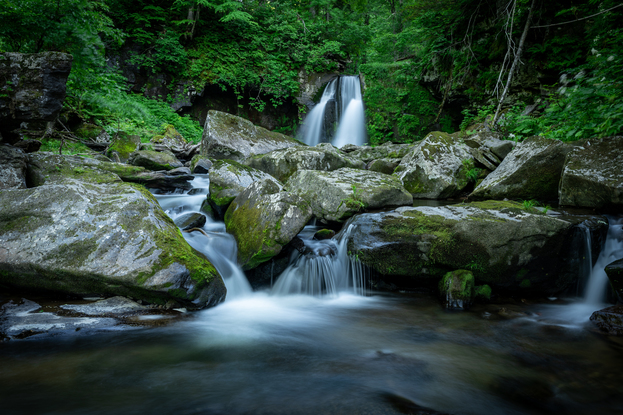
(473, 174)
(529, 204)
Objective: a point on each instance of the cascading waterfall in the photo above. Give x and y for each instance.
(326, 270)
(613, 250)
(349, 111)
(218, 246)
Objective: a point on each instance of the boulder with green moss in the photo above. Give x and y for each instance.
(386, 166)
(227, 179)
(12, 168)
(155, 160)
(531, 171)
(593, 175)
(501, 243)
(82, 231)
(226, 136)
(200, 164)
(385, 151)
(123, 145)
(282, 164)
(339, 194)
(457, 289)
(436, 168)
(263, 219)
(170, 138)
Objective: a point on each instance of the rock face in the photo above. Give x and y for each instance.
(200, 164)
(457, 289)
(227, 179)
(263, 219)
(339, 194)
(32, 90)
(609, 320)
(502, 244)
(615, 275)
(436, 168)
(155, 160)
(531, 171)
(82, 231)
(281, 164)
(227, 136)
(12, 168)
(385, 151)
(593, 175)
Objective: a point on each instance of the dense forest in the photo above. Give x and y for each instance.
(425, 65)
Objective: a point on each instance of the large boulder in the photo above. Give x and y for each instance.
(12, 168)
(227, 179)
(263, 219)
(281, 164)
(531, 171)
(593, 175)
(339, 194)
(32, 90)
(609, 320)
(436, 168)
(155, 160)
(86, 232)
(123, 145)
(501, 243)
(227, 136)
(385, 151)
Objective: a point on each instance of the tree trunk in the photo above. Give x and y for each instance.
(515, 62)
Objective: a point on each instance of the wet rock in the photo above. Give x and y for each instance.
(227, 179)
(190, 220)
(386, 166)
(502, 244)
(281, 164)
(263, 219)
(200, 164)
(531, 171)
(593, 175)
(83, 231)
(227, 136)
(12, 168)
(25, 319)
(337, 195)
(323, 234)
(32, 90)
(609, 320)
(436, 168)
(123, 146)
(457, 289)
(113, 305)
(614, 271)
(163, 180)
(155, 160)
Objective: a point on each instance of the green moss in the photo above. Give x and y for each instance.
(525, 283)
(459, 283)
(483, 292)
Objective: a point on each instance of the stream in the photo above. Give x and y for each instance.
(282, 351)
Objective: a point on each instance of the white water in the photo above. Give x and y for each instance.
(352, 122)
(219, 247)
(350, 114)
(324, 274)
(314, 125)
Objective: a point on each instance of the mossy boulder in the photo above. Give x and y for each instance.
(281, 164)
(226, 136)
(593, 175)
(263, 219)
(12, 168)
(227, 179)
(85, 232)
(190, 220)
(339, 194)
(531, 171)
(614, 271)
(501, 243)
(457, 289)
(123, 145)
(385, 151)
(386, 166)
(155, 160)
(436, 168)
(170, 138)
(200, 164)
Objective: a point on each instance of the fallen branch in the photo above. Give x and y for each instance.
(197, 230)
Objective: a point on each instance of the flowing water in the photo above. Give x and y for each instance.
(313, 129)
(283, 351)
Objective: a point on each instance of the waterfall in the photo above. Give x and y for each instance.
(613, 250)
(349, 115)
(216, 244)
(326, 270)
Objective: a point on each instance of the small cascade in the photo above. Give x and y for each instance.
(352, 123)
(217, 245)
(586, 260)
(613, 249)
(344, 93)
(313, 131)
(326, 270)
